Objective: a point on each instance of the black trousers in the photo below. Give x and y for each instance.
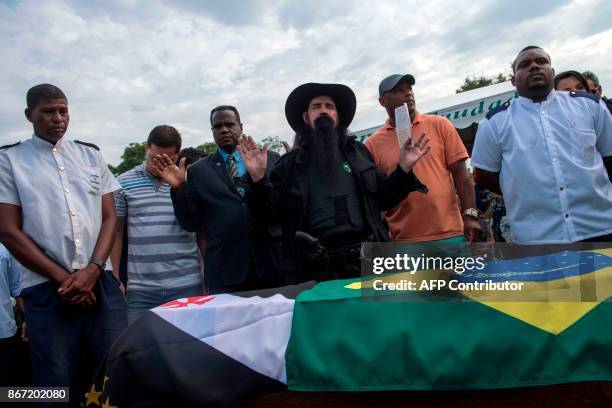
(328, 264)
(602, 238)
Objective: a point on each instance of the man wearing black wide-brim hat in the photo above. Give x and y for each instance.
(327, 193)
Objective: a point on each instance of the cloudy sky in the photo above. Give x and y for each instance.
(129, 65)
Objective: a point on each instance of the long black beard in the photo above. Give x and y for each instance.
(323, 146)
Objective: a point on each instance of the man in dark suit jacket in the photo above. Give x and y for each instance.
(211, 197)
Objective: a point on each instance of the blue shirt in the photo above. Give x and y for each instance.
(551, 172)
(9, 288)
(239, 163)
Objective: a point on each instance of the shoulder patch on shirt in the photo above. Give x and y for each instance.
(9, 146)
(501, 108)
(589, 95)
(87, 144)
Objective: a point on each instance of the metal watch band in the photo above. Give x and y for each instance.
(472, 212)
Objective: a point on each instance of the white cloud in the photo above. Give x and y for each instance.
(129, 66)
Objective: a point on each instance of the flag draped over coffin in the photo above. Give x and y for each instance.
(336, 336)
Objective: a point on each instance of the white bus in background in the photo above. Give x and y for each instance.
(464, 109)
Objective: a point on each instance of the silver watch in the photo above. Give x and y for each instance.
(472, 212)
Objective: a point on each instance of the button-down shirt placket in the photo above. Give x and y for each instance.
(58, 155)
(555, 161)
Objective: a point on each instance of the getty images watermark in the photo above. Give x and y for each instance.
(488, 272)
(411, 264)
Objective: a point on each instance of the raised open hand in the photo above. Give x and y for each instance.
(412, 151)
(255, 159)
(168, 171)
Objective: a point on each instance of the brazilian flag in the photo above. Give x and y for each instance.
(346, 337)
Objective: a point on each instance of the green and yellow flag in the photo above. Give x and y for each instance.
(346, 336)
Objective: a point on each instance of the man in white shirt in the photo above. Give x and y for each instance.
(550, 154)
(57, 218)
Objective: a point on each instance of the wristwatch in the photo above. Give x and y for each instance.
(472, 212)
(99, 263)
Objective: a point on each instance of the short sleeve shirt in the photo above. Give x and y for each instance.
(59, 189)
(161, 254)
(431, 216)
(549, 159)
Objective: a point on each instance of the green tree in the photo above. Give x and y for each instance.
(133, 155)
(274, 143)
(479, 82)
(209, 147)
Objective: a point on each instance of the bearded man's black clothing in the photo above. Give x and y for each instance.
(340, 205)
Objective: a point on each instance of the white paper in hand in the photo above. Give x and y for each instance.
(403, 126)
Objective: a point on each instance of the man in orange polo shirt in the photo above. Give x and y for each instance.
(436, 216)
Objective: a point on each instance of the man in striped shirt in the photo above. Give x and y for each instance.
(163, 260)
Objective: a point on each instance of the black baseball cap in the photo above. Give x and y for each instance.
(391, 81)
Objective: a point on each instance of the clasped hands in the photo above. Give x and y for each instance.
(77, 288)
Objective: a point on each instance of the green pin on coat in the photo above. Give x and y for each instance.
(347, 168)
